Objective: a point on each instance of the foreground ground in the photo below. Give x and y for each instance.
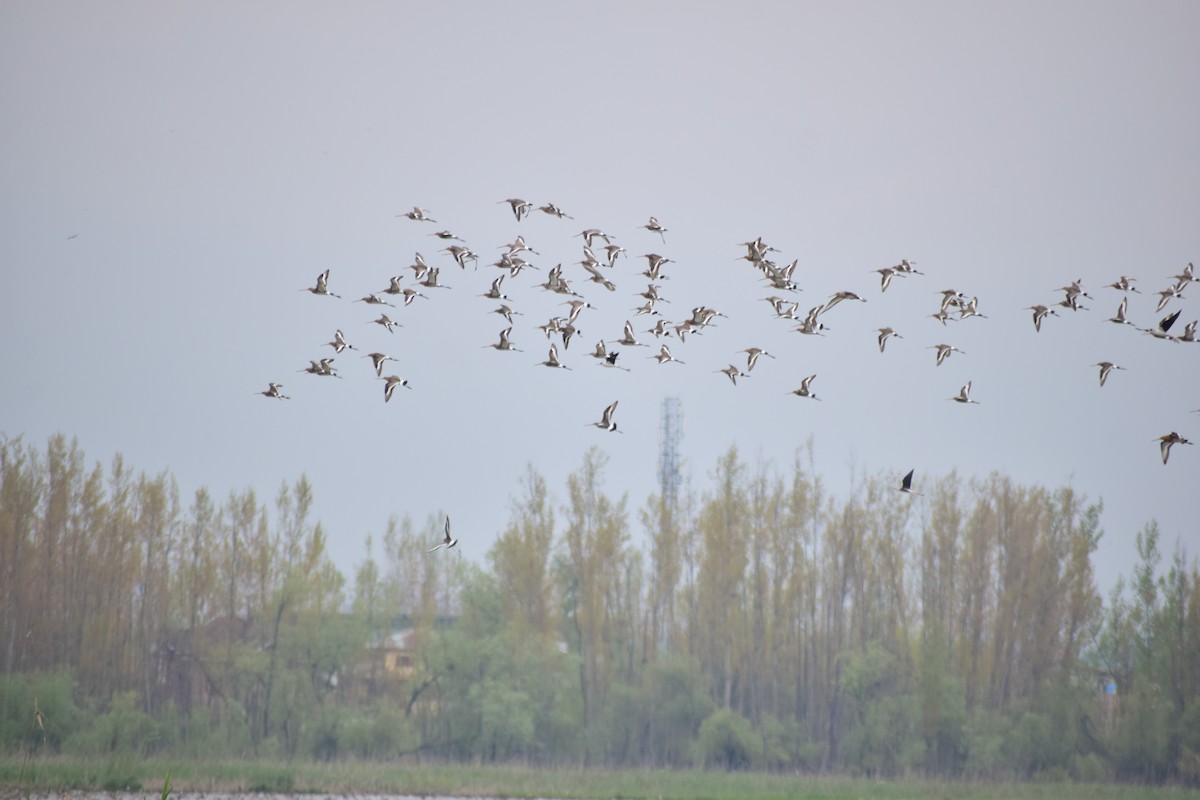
(141, 779)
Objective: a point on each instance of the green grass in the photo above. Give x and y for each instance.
(348, 777)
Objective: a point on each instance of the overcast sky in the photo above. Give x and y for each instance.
(173, 176)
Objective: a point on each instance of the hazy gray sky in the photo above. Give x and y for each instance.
(210, 159)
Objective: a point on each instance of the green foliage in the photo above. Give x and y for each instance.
(674, 703)
(763, 624)
(374, 779)
(53, 694)
(1089, 768)
(727, 741)
(123, 731)
(985, 735)
(378, 734)
(779, 742)
(1189, 744)
(1139, 743)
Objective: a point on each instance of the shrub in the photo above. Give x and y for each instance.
(727, 740)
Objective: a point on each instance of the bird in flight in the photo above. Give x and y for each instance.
(448, 541)
(1165, 442)
(1121, 309)
(606, 419)
(554, 211)
(1164, 325)
(392, 381)
(519, 207)
(494, 293)
(885, 277)
(374, 300)
(273, 391)
(838, 297)
(610, 360)
(628, 339)
(655, 227)
(386, 322)
(1123, 284)
(1039, 313)
(339, 342)
(552, 359)
(944, 351)
(733, 372)
(664, 355)
(1105, 368)
(591, 233)
(323, 367)
(964, 395)
(906, 484)
(752, 354)
(884, 334)
(377, 359)
(418, 215)
(322, 286)
(804, 390)
(504, 343)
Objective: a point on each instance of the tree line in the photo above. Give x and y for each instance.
(758, 622)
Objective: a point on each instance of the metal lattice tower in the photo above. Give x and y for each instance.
(670, 431)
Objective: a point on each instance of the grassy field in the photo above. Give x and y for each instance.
(44, 776)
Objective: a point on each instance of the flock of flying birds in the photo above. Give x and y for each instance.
(600, 256)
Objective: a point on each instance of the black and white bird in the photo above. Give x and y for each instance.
(610, 360)
(448, 541)
(273, 391)
(906, 484)
(1164, 325)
